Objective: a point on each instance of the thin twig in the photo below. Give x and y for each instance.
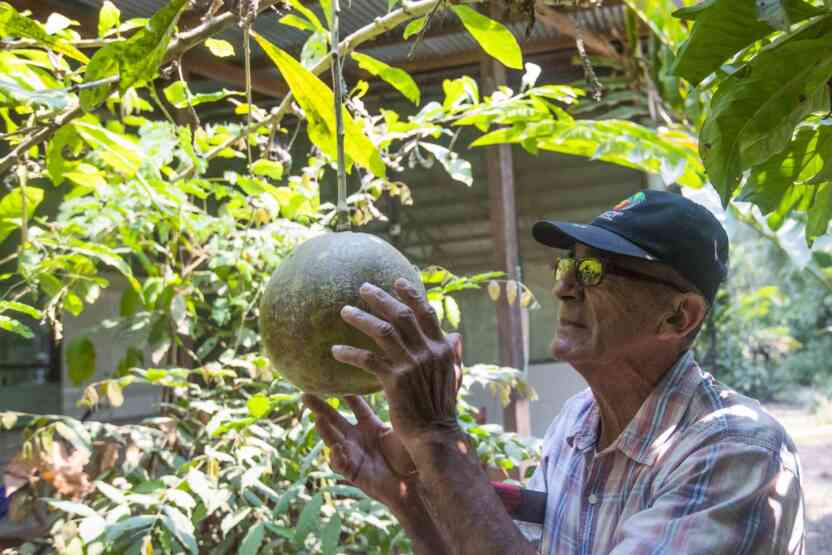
(155, 96)
(188, 96)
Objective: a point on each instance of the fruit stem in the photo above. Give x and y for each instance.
(342, 210)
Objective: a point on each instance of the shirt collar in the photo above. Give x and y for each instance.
(653, 425)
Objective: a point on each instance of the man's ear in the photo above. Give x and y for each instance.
(690, 310)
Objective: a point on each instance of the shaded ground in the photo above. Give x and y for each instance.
(811, 430)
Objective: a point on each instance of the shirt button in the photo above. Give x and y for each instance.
(593, 499)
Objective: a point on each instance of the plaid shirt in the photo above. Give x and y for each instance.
(699, 470)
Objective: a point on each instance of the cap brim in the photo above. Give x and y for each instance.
(562, 235)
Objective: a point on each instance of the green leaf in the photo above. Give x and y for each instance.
(397, 78)
(779, 183)
(820, 214)
(80, 358)
(135, 60)
(317, 102)
(331, 535)
(309, 15)
(268, 168)
(252, 540)
(414, 27)
(456, 167)
(11, 208)
(177, 94)
(115, 149)
(492, 36)
(755, 111)
(144, 52)
(22, 308)
(220, 48)
(671, 154)
(297, 22)
(315, 49)
(452, 312)
(109, 17)
(19, 328)
(721, 29)
(657, 14)
(12, 94)
(128, 525)
(309, 519)
(104, 64)
(258, 406)
(133, 358)
(181, 527)
(71, 507)
(56, 165)
(14, 24)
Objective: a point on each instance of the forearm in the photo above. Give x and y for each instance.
(419, 524)
(458, 491)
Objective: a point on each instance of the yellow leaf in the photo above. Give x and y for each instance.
(317, 101)
(494, 290)
(511, 291)
(115, 394)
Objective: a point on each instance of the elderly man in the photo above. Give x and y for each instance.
(655, 457)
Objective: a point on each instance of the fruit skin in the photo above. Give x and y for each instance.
(300, 314)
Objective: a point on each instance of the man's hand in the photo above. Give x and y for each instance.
(368, 454)
(418, 366)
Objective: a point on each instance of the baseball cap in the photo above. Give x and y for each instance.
(653, 225)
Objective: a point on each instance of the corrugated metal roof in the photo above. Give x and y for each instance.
(358, 13)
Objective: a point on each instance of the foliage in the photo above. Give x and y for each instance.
(768, 66)
(761, 338)
(232, 466)
(190, 230)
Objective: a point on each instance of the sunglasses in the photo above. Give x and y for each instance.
(590, 271)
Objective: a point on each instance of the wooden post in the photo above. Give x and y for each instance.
(503, 217)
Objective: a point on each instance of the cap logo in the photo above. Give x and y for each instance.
(633, 200)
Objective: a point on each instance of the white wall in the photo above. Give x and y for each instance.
(140, 400)
(554, 383)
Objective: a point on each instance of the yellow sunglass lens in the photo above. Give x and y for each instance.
(562, 267)
(590, 271)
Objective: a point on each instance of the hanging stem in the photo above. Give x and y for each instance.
(249, 9)
(342, 210)
(22, 175)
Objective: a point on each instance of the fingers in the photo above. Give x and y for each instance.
(388, 307)
(330, 425)
(361, 358)
(383, 333)
(362, 411)
(424, 312)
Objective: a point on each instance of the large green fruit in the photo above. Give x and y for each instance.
(300, 316)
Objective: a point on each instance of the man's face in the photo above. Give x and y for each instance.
(613, 320)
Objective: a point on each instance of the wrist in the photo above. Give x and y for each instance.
(439, 450)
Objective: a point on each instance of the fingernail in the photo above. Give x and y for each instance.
(337, 349)
(366, 287)
(347, 310)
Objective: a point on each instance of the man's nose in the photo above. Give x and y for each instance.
(567, 287)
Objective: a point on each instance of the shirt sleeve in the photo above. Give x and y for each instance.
(726, 498)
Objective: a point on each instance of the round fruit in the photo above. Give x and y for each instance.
(300, 315)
